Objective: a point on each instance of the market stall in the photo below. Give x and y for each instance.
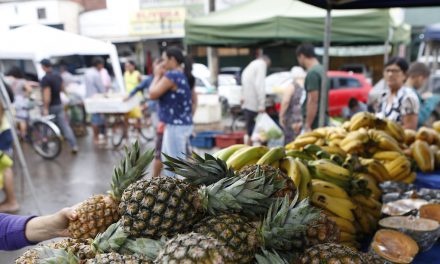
(36, 42)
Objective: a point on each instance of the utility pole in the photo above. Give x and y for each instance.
(212, 54)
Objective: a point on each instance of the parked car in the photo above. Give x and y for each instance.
(359, 68)
(343, 86)
(228, 89)
(235, 71)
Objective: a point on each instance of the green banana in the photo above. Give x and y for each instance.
(294, 153)
(225, 153)
(274, 154)
(236, 162)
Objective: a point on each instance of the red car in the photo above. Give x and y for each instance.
(343, 86)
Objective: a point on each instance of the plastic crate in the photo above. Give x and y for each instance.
(205, 139)
(229, 139)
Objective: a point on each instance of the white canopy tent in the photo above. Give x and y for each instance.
(36, 42)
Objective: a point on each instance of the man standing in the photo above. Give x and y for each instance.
(306, 57)
(52, 86)
(253, 95)
(94, 85)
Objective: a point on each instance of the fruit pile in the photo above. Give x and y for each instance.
(225, 210)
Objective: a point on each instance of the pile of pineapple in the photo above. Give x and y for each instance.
(241, 205)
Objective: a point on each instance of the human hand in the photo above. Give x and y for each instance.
(159, 70)
(45, 112)
(297, 127)
(50, 226)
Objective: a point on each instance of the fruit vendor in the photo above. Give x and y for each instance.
(21, 231)
(399, 103)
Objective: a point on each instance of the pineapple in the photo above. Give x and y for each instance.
(116, 258)
(209, 170)
(285, 228)
(330, 253)
(78, 247)
(195, 248)
(167, 206)
(235, 231)
(253, 170)
(99, 211)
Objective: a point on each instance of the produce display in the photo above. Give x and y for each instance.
(313, 201)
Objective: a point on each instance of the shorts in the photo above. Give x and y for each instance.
(249, 117)
(135, 113)
(175, 140)
(6, 141)
(97, 120)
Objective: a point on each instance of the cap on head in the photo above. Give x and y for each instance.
(46, 63)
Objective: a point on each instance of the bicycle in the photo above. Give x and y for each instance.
(43, 134)
(120, 130)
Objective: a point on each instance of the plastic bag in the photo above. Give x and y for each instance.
(266, 129)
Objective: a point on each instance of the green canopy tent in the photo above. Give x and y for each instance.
(261, 21)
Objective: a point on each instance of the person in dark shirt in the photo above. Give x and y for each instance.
(52, 86)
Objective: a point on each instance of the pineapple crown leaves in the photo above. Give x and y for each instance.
(130, 169)
(284, 222)
(250, 196)
(49, 255)
(111, 240)
(148, 248)
(270, 257)
(198, 170)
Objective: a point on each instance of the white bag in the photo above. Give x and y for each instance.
(266, 129)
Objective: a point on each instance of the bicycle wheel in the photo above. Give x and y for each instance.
(118, 131)
(45, 140)
(147, 129)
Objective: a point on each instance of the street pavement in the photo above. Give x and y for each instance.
(65, 181)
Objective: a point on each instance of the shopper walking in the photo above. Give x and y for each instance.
(52, 86)
(94, 85)
(253, 97)
(305, 54)
(171, 85)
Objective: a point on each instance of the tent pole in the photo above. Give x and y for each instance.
(6, 102)
(324, 92)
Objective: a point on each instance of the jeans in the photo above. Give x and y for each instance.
(175, 141)
(60, 120)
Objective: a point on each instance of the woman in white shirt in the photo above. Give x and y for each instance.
(399, 103)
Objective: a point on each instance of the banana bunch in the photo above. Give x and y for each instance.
(397, 165)
(383, 141)
(428, 135)
(299, 173)
(362, 120)
(410, 136)
(436, 126)
(423, 156)
(395, 130)
(311, 137)
(355, 141)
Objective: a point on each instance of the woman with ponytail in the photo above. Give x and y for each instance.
(172, 87)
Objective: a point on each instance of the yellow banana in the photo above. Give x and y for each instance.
(335, 150)
(426, 134)
(236, 153)
(238, 161)
(275, 164)
(376, 169)
(398, 167)
(351, 146)
(346, 237)
(329, 189)
(363, 220)
(225, 153)
(386, 155)
(251, 162)
(410, 179)
(313, 133)
(273, 155)
(343, 224)
(301, 142)
(289, 166)
(436, 126)
(410, 136)
(330, 169)
(367, 201)
(423, 156)
(304, 187)
(395, 130)
(376, 193)
(362, 119)
(339, 207)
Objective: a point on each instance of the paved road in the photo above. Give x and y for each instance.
(65, 181)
